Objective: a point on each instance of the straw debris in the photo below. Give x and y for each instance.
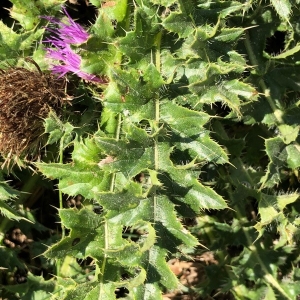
(26, 98)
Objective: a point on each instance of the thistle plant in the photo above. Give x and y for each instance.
(183, 138)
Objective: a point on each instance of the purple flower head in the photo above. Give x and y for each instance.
(71, 62)
(65, 36)
(71, 33)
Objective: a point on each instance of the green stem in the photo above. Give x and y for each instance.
(157, 113)
(158, 67)
(102, 267)
(63, 231)
(117, 137)
(61, 148)
(157, 52)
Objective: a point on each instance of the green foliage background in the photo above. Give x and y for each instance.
(199, 119)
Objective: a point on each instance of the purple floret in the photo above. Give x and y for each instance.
(71, 33)
(65, 36)
(72, 63)
(65, 54)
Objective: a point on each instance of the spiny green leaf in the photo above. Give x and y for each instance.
(288, 133)
(268, 209)
(12, 42)
(116, 10)
(293, 155)
(272, 176)
(132, 90)
(220, 8)
(83, 219)
(179, 23)
(284, 200)
(6, 193)
(182, 119)
(136, 281)
(76, 179)
(165, 3)
(131, 158)
(128, 255)
(97, 62)
(92, 290)
(229, 93)
(282, 78)
(143, 211)
(147, 240)
(138, 43)
(276, 151)
(58, 130)
(229, 34)
(241, 89)
(71, 184)
(190, 191)
(84, 175)
(200, 146)
(28, 13)
(135, 133)
(103, 27)
(282, 7)
(279, 153)
(78, 245)
(97, 239)
(148, 291)
(86, 153)
(35, 287)
(127, 199)
(287, 231)
(9, 212)
(186, 187)
(271, 208)
(187, 7)
(153, 78)
(287, 53)
(165, 214)
(189, 133)
(158, 270)
(205, 46)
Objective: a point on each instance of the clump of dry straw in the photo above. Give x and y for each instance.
(26, 98)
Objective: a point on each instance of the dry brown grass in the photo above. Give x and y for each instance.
(26, 98)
